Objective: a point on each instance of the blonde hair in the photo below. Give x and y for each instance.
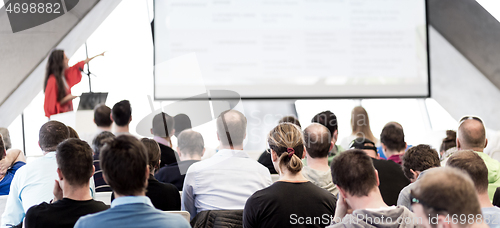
(360, 123)
(287, 141)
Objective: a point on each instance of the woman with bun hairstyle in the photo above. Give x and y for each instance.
(59, 78)
(292, 198)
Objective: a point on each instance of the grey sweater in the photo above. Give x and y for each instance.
(391, 217)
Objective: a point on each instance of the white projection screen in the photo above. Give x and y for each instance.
(291, 49)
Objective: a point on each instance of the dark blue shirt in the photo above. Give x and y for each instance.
(5, 183)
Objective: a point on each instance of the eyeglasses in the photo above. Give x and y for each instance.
(469, 117)
(414, 200)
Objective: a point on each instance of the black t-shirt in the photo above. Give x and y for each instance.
(174, 173)
(392, 180)
(285, 204)
(265, 160)
(62, 213)
(168, 155)
(164, 196)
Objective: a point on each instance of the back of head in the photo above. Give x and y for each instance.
(360, 123)
(163, 125)
(327, 119)
(471, 134)
(191, 143)
(231, 128)
(6, 137)
(74, 159)
(473, 165)
(287, 141)
(122, 111)
(447, 191)
(55, 67)
(73, 133)
(182, 122)
(102, 116)
(101, 139)
(124, 161)
(353, 171)
(393, 137)
(154, 153)
(317, 139)
(51, 134)
(419, 158)
(290, 119)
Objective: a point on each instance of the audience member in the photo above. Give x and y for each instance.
(163, 129)
(72, 133)
(10, 161)
(6, 138)
(265, 157)
(191, 148)
(97, 144)
(293, 194)
(124, 162)
(182, 122)
(102, 118)
(317, 139)
(474, 165)
(393, 142)
(443, 194)
(416, 161)
(471, 135)
(360, 125)
(329, 120)
(34, 182)
(357, 180)
(164, 196)
(449, 142)
(71, 190)
(391, 177)
(226, 180)
(121, 114)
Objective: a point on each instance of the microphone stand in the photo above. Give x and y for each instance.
(88, 69)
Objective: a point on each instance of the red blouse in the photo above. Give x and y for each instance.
(73, 76)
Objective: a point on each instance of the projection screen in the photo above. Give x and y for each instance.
(291, 49)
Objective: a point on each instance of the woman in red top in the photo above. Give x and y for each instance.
(59, 78)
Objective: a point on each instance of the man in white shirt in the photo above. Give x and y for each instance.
(34, 182)
(230, 177)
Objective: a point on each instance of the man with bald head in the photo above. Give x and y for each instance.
(471, 135)
(226, 180)
(317, 140)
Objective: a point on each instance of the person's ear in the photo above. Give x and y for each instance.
(415, 174)
(304, 154)
(341, 192)
(59, 173)
(274, 156)
(151, 130)
(93, 170)
(384, 148)
(94, 121)
(130, 120)
(406, 145)
(378, 180)
(203, 153)
(486, 143)
(331, 146)
(443, 222)
(336, 134)
(147, 173)
(111, 117)
(458, 144)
